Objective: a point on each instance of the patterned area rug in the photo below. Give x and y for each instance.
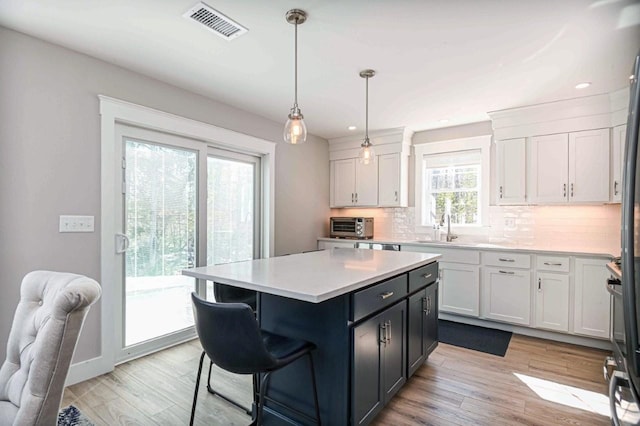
(71, 416)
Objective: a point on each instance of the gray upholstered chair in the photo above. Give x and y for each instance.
(43, 336)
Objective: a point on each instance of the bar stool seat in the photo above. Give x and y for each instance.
(232, 339)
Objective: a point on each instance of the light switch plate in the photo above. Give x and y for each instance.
(70, 223)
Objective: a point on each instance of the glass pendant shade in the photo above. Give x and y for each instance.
(367, 154)
(295, 131)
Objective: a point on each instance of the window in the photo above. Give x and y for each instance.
(452, 187)
(452, 178)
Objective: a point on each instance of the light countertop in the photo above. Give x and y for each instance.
(315, 276)
(559, 250)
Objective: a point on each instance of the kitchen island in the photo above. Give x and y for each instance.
(372, 315)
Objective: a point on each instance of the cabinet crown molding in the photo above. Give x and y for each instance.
(386, 141)
(570, 115)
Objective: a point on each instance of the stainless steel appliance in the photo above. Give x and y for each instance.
(378, 246)
(624, 381)
(351, 227)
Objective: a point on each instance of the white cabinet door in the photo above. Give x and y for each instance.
(506, 295)
(552, 301)
(591, 300)
(459, 291)
(617, 162)
(589, 166)
(511, 159)
(391, 191)
(366, 184)
(344, 182)
(548, 169)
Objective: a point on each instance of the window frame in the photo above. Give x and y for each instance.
(482, 143)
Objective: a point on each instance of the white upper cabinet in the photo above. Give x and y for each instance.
(617, 162)
(510, 173)
(589, 166)
(548, 168)
(570, 167)
(354, 184)
(392, 180)
(384, 183)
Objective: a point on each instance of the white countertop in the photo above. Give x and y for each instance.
(315, 276)
(566, 251)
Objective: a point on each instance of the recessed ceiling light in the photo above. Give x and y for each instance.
(352, 127)
(444, 120)
(631, 77)
(583, 85)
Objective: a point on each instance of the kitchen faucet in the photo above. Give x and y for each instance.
(450, 236)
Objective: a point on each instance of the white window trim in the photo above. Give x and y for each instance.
(483, 143)
(113, 111)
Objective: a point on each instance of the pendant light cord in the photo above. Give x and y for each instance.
(366, 109)
(295, 101)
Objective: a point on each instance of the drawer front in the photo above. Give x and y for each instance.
(552, 263)
(423, 276)
(506, 259)
(374, 298)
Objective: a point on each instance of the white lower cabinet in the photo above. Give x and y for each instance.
(459, 289)
(552, 301)
(591, 299)
(506, 295)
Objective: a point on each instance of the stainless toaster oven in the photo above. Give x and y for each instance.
(351, 227)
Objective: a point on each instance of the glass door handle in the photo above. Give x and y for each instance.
(122, 243)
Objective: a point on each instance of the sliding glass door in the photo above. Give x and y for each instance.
(183, 205)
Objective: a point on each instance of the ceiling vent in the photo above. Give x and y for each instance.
(215, 21)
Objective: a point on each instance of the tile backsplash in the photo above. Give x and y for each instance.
(576, 228)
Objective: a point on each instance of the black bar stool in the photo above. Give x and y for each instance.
(231, 338)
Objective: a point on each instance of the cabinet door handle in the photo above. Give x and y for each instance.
(552, 264)
(428, 305)
(386, 295)
(615, 187)
(356, 197)
(396, 193)
(507, 272)
(353, 199)
(500, 191)
(425, 308)
(571, 190)
(539, 284)
(564, 189)
(388, 328)
(503, 259)
(383, 333)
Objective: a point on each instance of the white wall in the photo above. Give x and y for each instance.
(50, 164)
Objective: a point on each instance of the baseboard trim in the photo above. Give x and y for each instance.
(533, 332)
(85, 370)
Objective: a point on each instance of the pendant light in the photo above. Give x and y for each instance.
(295, 131)
(367, 155)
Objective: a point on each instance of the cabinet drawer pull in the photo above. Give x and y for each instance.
(386, 295)
(502, 259)
(427, 276)
(507, 272)
(552, 264)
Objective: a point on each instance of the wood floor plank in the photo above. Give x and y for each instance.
(537, 382)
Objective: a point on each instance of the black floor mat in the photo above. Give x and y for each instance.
(481, 339)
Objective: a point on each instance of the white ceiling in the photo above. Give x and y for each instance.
(434, 59)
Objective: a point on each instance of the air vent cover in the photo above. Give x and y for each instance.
(215, 21)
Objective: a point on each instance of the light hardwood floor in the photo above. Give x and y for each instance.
(538, 382)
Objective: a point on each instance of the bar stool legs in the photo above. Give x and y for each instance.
(226, 398)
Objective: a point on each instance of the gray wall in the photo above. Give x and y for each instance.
(50, 164)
